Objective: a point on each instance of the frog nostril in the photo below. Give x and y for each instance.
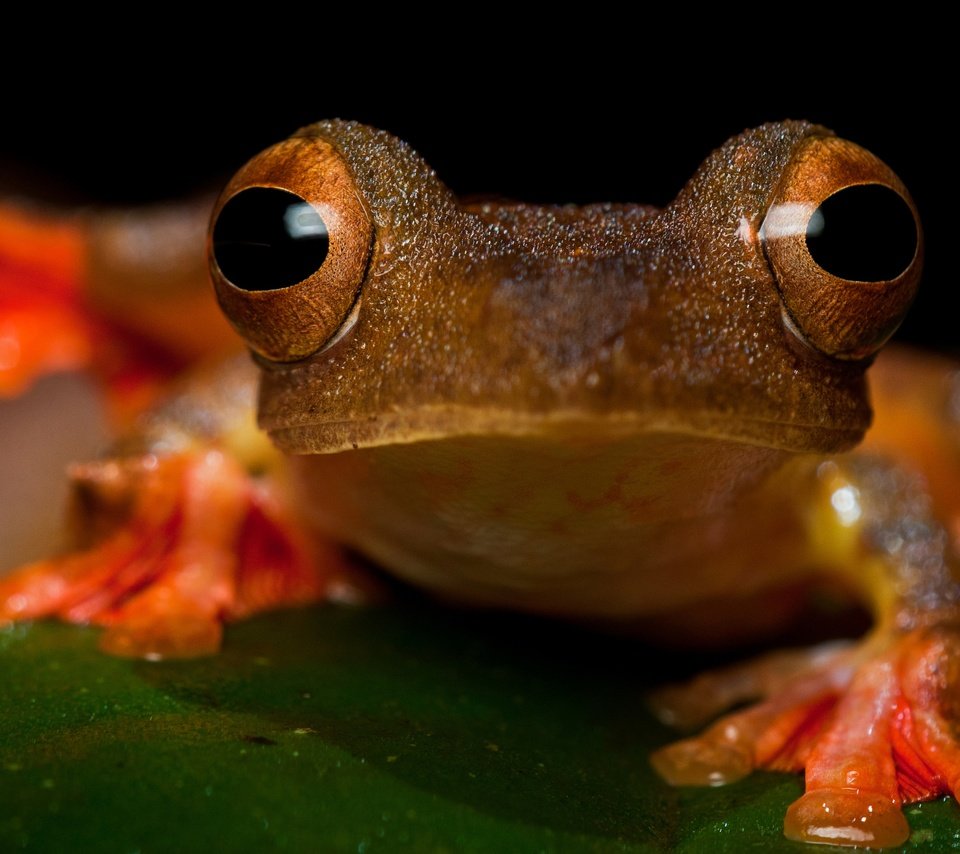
(266, 238)
(863, 233)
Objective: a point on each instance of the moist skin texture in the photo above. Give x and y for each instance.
(607, 394)
(501, 318)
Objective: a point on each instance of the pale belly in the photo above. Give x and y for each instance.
(579, 527)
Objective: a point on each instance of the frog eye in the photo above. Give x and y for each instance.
(844, 243)
(266, 238)
(289, 246)
(864, 233)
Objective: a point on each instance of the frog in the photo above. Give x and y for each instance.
(598, 413)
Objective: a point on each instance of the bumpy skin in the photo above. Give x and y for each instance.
(554, 408)
(483, 318)
(601, 411)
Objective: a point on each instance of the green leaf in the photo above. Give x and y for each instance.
(407, 728)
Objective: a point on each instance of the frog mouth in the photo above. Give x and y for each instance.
(431, 424)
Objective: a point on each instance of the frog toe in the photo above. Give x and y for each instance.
(712, 760)
(847, 817)
(774, 733)
(692, 704)
(154, 633)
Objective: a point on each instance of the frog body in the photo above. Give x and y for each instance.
(611, 411)
(494, 419)
(586, 534)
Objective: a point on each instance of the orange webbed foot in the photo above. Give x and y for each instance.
(871, 726)
(187, 542)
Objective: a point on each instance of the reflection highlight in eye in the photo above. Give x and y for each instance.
(301, 220)
(815, 224)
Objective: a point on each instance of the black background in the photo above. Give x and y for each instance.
(570, 123)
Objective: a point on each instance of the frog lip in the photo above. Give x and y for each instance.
(312, 435)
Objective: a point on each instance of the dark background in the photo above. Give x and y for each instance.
(549, 126)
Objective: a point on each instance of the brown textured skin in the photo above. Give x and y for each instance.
(493, 318)
(557, 408)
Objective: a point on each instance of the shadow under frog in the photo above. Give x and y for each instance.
(527, 720)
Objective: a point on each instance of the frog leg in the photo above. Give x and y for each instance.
(178, 533)
(872, 725)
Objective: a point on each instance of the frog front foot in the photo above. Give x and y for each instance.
(181, 544)
(872, 725)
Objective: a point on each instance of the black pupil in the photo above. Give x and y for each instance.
(265, 238)
(864, 233)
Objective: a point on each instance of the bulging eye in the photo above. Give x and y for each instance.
(266, 238)
(290, 241)
(843, 241)
(864, 233)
